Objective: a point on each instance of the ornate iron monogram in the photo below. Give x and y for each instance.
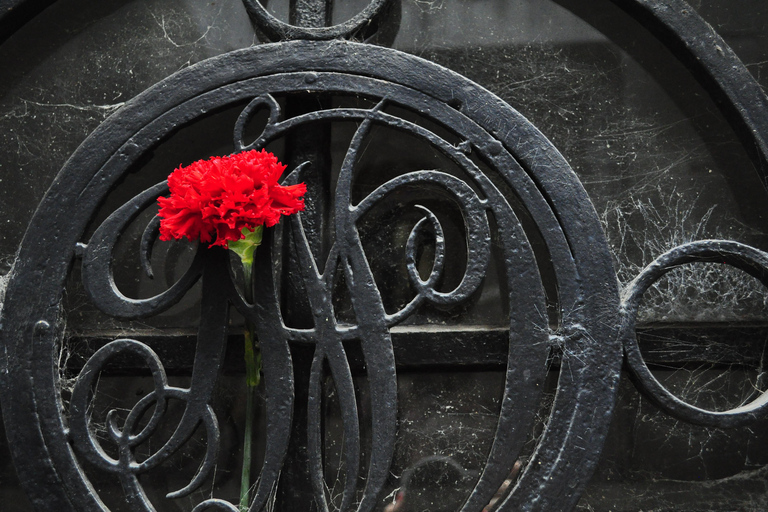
(511, 186)
(491, 136)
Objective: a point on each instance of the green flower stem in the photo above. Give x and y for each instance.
(245, 249)
(252, 379)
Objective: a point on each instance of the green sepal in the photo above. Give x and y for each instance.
(245, 247)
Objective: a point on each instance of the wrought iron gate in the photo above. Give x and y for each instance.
(335, 317)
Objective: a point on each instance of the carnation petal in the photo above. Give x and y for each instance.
(221, 196)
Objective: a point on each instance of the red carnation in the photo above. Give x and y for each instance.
(215, 200)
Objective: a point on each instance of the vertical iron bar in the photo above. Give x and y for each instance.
(311, 13)
(305, 144)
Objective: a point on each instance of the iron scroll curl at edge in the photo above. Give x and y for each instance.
(750, 260)
(744, 104)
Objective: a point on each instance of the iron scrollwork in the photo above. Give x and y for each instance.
(508, 182)
(522, 389)
(508, 150)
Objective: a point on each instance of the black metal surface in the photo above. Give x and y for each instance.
(308, 147)
(50, 441)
